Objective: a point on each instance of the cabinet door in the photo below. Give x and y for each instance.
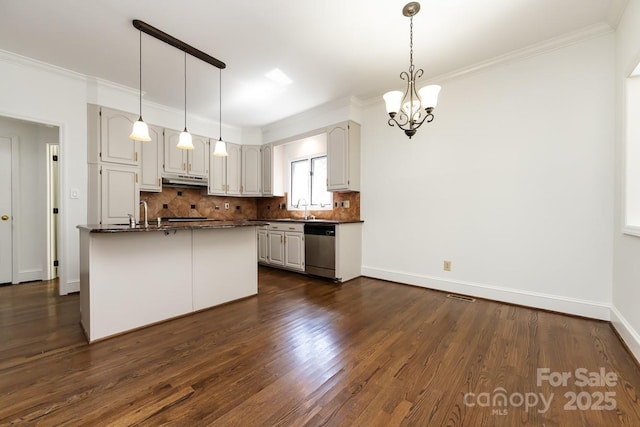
(338, 157)
(115, 145)
(294, 251)
(152, 154)
(266, 154)
(276, 247)
(175, 159)
(198, 164)
(217, 176)
(263, 246)
(251, 176)
(234, 169)
(120, 194)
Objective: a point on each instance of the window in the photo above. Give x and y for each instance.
(309, 184)
(632, 156)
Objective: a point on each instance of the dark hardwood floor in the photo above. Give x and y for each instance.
(307, 352)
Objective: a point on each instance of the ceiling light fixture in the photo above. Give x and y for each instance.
(277, 76)
(411, 109)
(140, 130)
(185, 142)
(220, 149)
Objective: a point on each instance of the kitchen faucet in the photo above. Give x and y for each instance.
(306, 205)
(146, 219)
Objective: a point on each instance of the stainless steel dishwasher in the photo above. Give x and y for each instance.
(320, 250)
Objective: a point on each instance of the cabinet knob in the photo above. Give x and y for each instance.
(5, 217)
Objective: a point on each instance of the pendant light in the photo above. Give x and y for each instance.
(220, 149)
(409, 110)
(185, 142)
(140, 130)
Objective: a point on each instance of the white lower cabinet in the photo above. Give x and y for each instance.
(263, 245)
(114, 194)
(282, 246)
(294, 250)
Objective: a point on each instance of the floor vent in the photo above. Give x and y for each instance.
(461, 297)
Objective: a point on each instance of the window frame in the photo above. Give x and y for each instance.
(292, 204)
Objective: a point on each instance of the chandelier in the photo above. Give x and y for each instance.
(409, 110)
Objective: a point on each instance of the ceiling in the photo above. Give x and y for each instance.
(330, 49)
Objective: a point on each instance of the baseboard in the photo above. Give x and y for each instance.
(30, 275)
(70, 287)
(629, 335)
(557, 303)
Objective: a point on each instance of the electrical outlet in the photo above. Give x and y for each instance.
(346, 204)
(447, 266)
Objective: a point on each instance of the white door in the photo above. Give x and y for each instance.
(5, 210)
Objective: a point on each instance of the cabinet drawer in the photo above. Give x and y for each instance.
(289, 227)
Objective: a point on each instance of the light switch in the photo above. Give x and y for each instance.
(75, 193)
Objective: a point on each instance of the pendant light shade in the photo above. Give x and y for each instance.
(140, 130)
(220, 148)
(185, 142)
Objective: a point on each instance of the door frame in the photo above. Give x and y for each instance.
(53, 201)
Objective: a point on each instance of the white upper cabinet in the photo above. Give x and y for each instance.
(175, 159)
(234, 169)
(115, 144)
(251, 176)
(119, 190)
(198, 158)
(186, 162)
(225, 172)
(217, 175)
(266, 154)
(152, 155)
(343, 157)
(108, 137)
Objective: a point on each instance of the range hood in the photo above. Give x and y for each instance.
(183, 181)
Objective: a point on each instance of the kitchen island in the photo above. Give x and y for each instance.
(132, 277)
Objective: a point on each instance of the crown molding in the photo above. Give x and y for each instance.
(592, 31)
(5, 55)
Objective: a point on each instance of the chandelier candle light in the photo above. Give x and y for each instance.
(409, 110)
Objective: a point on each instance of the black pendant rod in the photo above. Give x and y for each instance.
(178, 44)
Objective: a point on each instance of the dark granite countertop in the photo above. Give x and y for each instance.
(311, 221)
(169, 226)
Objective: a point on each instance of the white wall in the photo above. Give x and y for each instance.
(626, 254)
(59, 98)
(30, 214)
(512, 182)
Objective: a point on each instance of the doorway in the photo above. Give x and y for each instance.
(29, 196)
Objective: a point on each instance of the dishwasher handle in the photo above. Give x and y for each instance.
(320, 230)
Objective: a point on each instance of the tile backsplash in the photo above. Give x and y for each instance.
(190, 202)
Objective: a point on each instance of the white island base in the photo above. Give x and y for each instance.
(133, 279)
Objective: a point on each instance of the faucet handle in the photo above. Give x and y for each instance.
(132, 221)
